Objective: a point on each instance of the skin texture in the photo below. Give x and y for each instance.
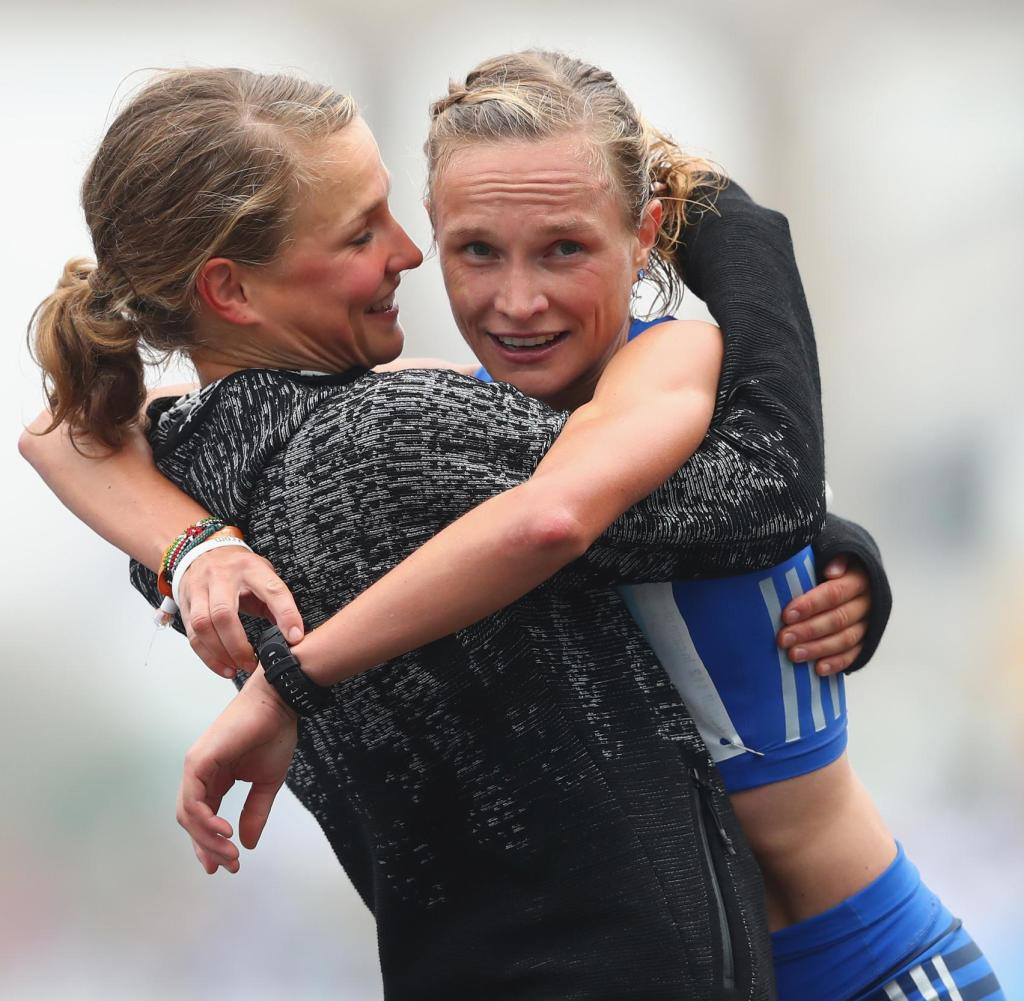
(534, 242)
(316, 305)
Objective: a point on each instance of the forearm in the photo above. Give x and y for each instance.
(487, 559)
(611, 453)
(119, 495)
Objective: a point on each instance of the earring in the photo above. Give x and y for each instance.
(634, 292)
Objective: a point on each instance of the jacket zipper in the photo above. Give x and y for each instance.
(706, 812)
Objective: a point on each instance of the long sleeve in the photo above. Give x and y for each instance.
(444, 443)
(738, 257)
(839, 537)
(756, 484)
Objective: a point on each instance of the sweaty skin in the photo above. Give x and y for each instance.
(545, 252)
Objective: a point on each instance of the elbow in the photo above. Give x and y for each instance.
(36, 443)
(554, 532)
(31, 446)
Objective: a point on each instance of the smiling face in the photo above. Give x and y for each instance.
(327, 300)
(538, 261)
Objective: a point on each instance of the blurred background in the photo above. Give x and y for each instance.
(891, 136)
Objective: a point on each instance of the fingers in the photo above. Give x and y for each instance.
(202, 635)
(829, 623)
(210, 834)
(211, 591)
(280, 605)
(836, 567)
(830, 645)
(838, 663)
(211, 865)
(255, 813)
(225, 624)
(827, 596)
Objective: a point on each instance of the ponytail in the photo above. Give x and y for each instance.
(88, 348)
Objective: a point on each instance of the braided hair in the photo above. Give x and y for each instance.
(534, 95)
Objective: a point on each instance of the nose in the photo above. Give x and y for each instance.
(405, 255)
(519, 296)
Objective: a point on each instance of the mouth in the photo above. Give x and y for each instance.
(386, 305)
(527, 347)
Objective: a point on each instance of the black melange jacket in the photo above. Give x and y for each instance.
(526, 806)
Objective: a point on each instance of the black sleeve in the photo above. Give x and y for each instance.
(738, 257)
(437, 444)
(841, 537)
(754, 493)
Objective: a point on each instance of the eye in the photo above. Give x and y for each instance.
(362, 239)
(566, 248)
(478, 249)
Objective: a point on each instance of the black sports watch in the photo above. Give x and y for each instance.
(282, 669)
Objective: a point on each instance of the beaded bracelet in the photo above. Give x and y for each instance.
(201, 542)
(206, 526)
(194, 535)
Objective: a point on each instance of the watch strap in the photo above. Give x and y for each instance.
(282, 669)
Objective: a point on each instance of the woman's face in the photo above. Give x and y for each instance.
(328, 300)
(538, 261)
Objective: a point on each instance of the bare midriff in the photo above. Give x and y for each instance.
(818, 839)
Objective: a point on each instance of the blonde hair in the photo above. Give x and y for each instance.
(200, 163)
(535, 95)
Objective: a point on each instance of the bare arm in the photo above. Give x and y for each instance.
(122, 497)
(119, 495)
(651, 410)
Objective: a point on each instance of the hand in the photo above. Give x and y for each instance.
(253, 740)
(828, 623)
(213, 590)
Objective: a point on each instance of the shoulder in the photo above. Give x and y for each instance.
(443, 397)
(441, 418)
(677, 330)
(676, 353)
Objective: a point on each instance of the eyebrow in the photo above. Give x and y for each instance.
(553, 229)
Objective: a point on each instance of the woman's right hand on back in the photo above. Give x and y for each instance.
(215, 588)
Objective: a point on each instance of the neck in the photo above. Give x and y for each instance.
(582, 391)
(212, 364)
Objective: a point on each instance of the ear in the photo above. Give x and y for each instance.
(222, 288)
(647, 231)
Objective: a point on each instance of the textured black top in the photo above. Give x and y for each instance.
(516, 803)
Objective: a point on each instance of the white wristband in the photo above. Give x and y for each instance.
(193, 554)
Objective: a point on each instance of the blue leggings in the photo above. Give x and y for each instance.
(891, 941)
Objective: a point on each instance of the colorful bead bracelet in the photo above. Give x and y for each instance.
(193, 536)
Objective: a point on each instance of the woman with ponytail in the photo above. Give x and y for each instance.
(286, 455)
